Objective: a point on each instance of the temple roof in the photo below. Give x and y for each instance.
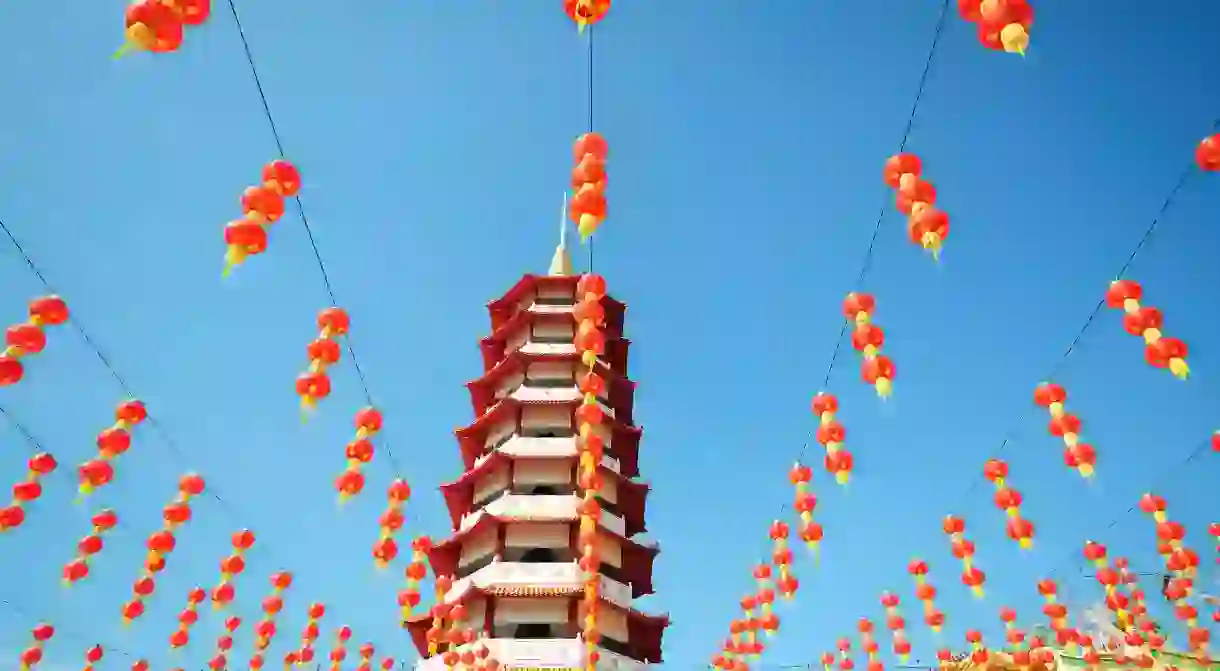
(503, 307)
(620, 390)
(494, 346)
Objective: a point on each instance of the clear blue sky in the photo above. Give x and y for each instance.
(747, 144)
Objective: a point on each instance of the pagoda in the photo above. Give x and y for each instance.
(513, 559)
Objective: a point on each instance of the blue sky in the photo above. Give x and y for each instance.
(747, 144)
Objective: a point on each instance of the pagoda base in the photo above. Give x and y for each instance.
(543, 654)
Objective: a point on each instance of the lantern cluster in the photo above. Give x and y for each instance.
(29, 337)
(927, 226)
(926, 593)
(963, 549)
(831, 434)
(366, 652)
(360, 450)
(31, 656)
(77, 569)
(978, 651)
(111, 442)
(1146, 322)
(92, 656)
(897, 626)
(385, 550)
(1207, 155)
(845, 660)
(161, 543)
(265, 630)
(1105, 574)
(804, 503)
(440, 610)
(588, 205)
(261, 206)
(869, 644)
(187, 618)
(867, 339)
(338, 651)
(1066, 426)
(159, 26)
(1142, 629)
(224, 643)
(781, 558)
(416, 571)
(1056, 612)
(27, 491)
(1003, 25)
(232, 566)
(1182, 563)
(323, 352)
(309, 635)
(1009, 499)
(1014, 636)
(462, 653)
(586, 12)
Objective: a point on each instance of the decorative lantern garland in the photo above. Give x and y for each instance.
(27, 491)
(1146, 322)
(187, 619)
(1003, 25)
(869, 644)
(845, 661)
(309, 635)
(366, 652)
(29, 337)
(1014, 637)
(897, 626)
(385, 550)
(262, 206)
(161, 543)
(31, 656)
(867, 339)
(963, 549)
(804, 503)
(1009, 500)
(1182, 563)
(158, 26)
(1096, 554)
(927, 226)
(1065, 425)
(1056, 612)
(358, 452)
(224, 643)
(440, 610)
(324, 351)
(831, 435)
(77, 569)
(265, 630)
(978, 651)
(416, 571)
(338, 652)
(926, 593)
(587, 208)
(92, 656)
(111, 442)
(231, 567)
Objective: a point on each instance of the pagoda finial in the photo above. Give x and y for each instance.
(561, 263)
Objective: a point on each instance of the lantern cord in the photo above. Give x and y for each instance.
(590, 30)
(59, 630)
(313, 243)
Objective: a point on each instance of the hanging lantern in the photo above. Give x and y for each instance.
(978, 651)
(27, 491)
(111, 442)
(224, 643)
(1009, 500)
(828, 660)
(92, 657)
(261, 206)
(1015, 637)
(366, 652)
(804, 503)
(586, 12)
(587, 208)
(926, 593)
(1097, 555)
(388, 663)
(314, 384)
(385, 550)
(867, 339)
(845, 661)
(869, 644)
(187, 618)
(338, 652)
(897, 626)
(1065, 425)
(1142, 632)
(415, 572)
(161, 543)
(963, 549)
(1003, 25)
(89, 546)
(309, 635)
(265, 630)
(1208, 153)
(153, 26)
(29, 337)
(781, 558)
(927, 226)
(1055, 611)
(831, 435)
(31, 656)
(359, 451)
(1182, 564)
(230, 567)
(1145, 321)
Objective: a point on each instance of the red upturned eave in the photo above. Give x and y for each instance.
(638, 559)
(624, 443)
(505, 307)
(620, 390)
(644, 630)
(459, 494)
(494, 347)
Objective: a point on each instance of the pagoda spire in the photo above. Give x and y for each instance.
(561, 262)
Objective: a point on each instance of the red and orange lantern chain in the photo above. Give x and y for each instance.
(366, 652)
(261, 206)
(1097, 555)
(161, 543)
(590, 342)
(845, 660)
(385, 550)
(309, 635)
(1056, 612)
(828, 661)
(963, 549)
(868, 643)
(897, 626)
(1183, 565)
(29, 337)
(1009, 500)
(1145, 633)
(27, 491)
(111, 442)
(409, 597)
(360, 450)
(140, 665)
(265, 630)
(831, 434)
(867, 338)
(804, 503)
(927, 226)
(90, 545)
(586, 12)
(187, 618)
(1146, 322)
(230, 567)
(441, 586)
(338, 651)
(781, 558)
(1003, 25)
(588, 205)
(978, 651)
(93, 656)
(1067, 426)
(159, 26)
(323, 352)
(224, 643)
(926, 593)
(1014, 637)
(31, 656)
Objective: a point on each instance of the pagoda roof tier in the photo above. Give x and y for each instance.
(638, 558)
(620, 391)
(495, 346)
(630, 498)
(624, 438)
(644, 630)
(507, 306)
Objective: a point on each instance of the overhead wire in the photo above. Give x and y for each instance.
(61, 631)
